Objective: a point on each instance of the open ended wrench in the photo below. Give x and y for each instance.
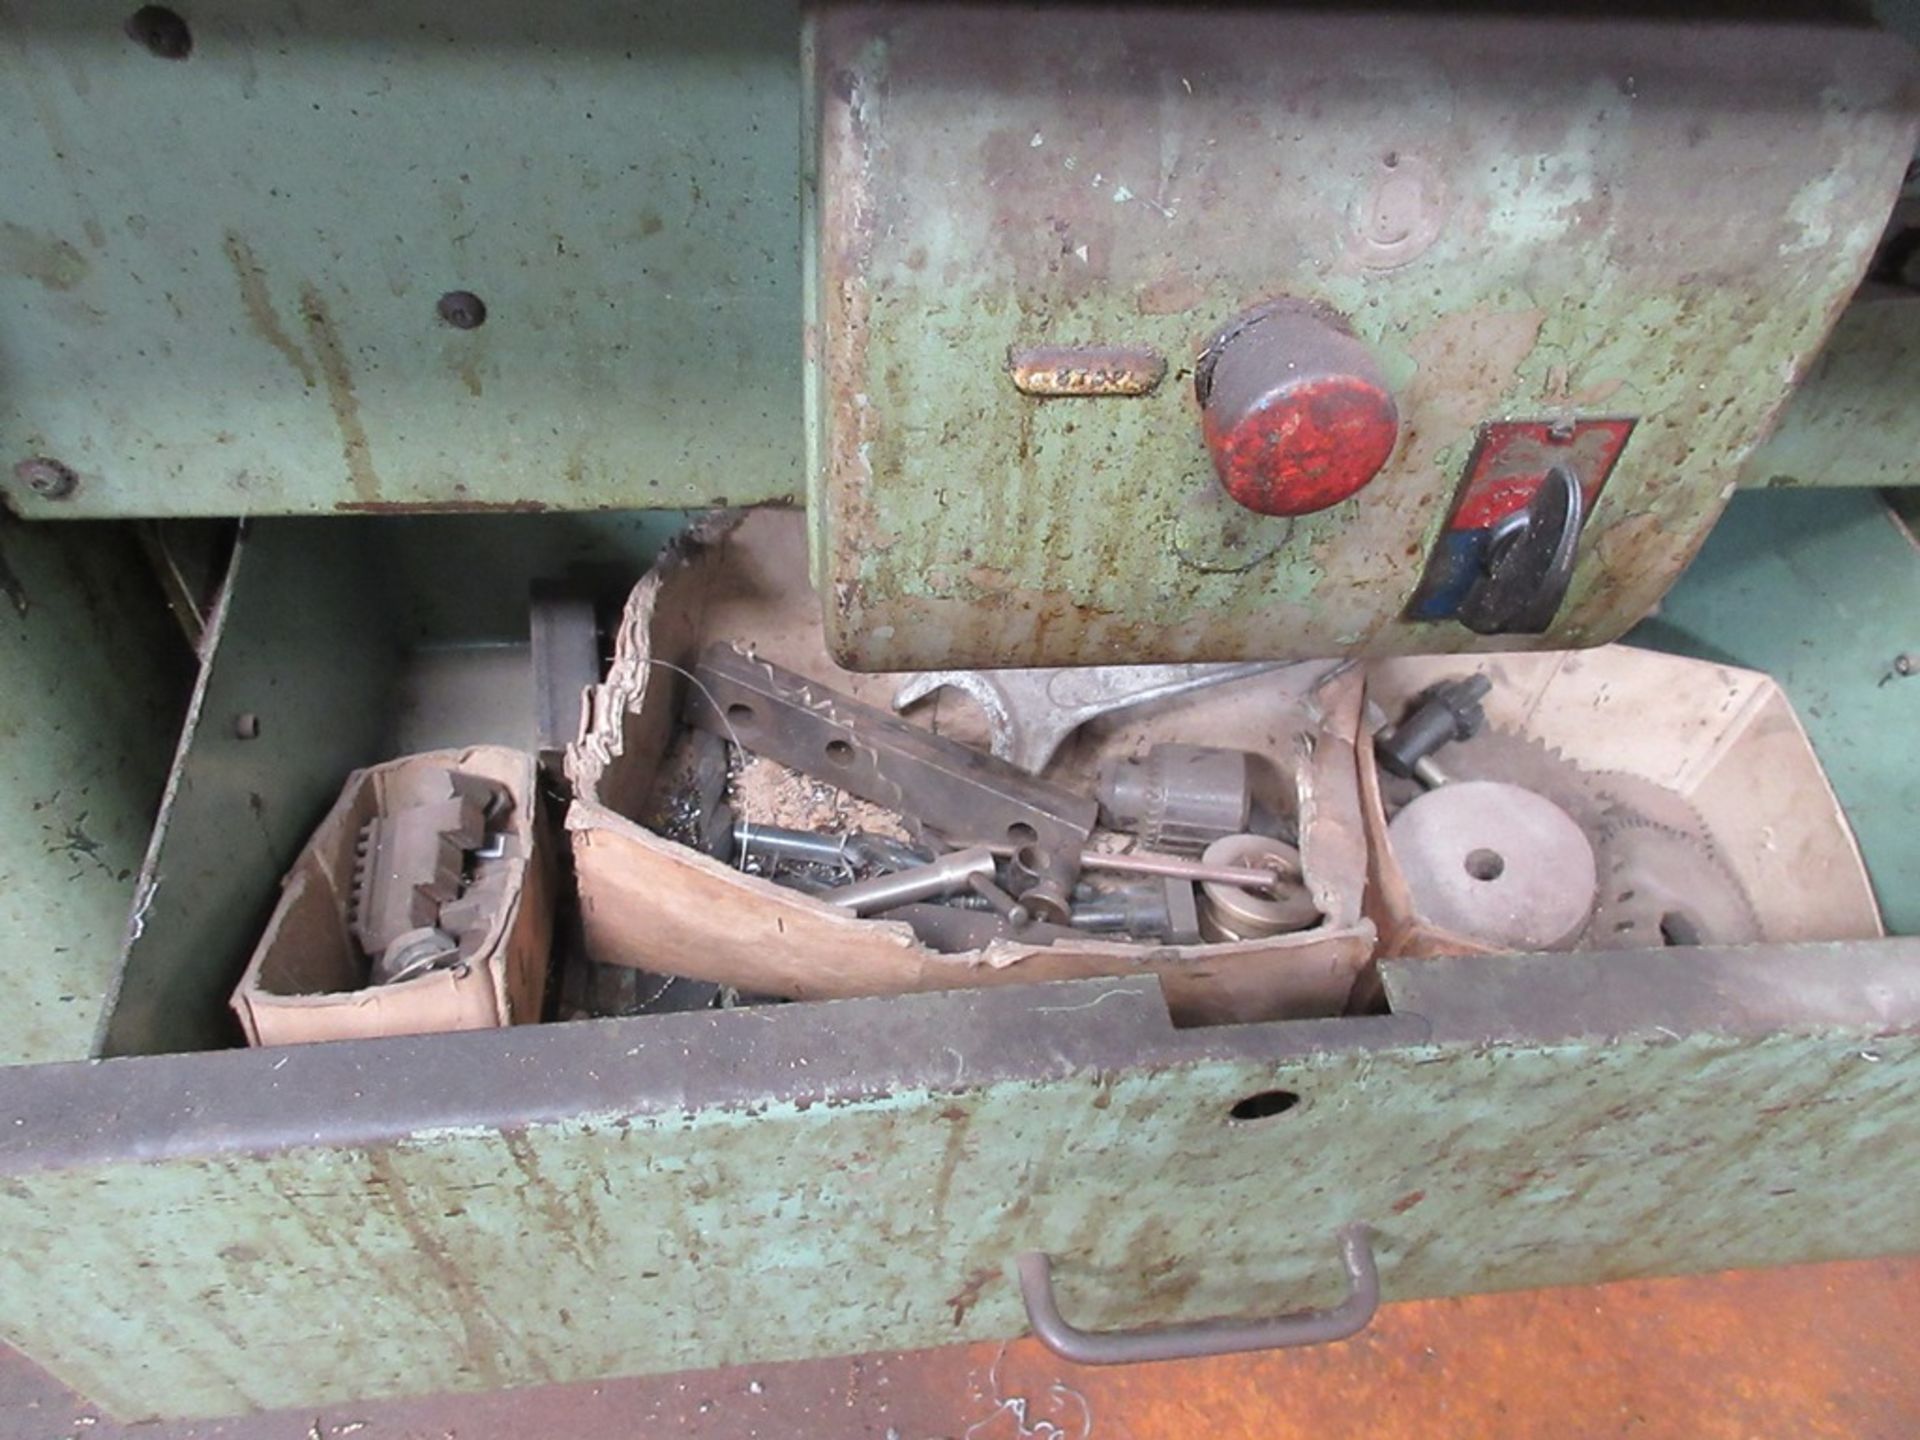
(1031, 712)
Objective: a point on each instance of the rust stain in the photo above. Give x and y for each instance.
(47, 260)
(1171, 295)
(575, 1225)
(956, 1148)
(1170, 1274)
(340, 394)
(484, 1337)
(1086, 370)
(964, 1299)
(1469, 357)
(259, 307)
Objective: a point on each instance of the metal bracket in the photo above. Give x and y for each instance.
(952, 789)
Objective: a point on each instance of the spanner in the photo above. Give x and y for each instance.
(1031, 712)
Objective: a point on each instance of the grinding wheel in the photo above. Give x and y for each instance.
(1496, 863)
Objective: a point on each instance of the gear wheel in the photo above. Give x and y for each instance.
(1662, 879)
(1525, 761)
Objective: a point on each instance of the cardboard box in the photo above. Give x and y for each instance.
(1726, 740)
(649, 902)
(306, 980)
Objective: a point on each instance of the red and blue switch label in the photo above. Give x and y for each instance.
(1510, 460)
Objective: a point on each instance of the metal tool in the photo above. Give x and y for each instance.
(1448, 712)
(1179, 798)
(954, 930)
(848, 850)
(1662, 879)
(1031, 712)
(708, 821)
(1378, 723)
(469, 916)
(1496, 863)
(948, 875)
(407, 864)
(1230, 912)
(1009, 909)
(956, 791)
(1159, 910)
(431, 869)
(413, 954)
(1276, 866)
(1044, 878)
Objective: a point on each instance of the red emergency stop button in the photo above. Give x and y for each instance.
(1295, 409)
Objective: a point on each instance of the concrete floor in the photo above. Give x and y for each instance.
(1816, 1352)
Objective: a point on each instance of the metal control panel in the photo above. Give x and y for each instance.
(1167, 335)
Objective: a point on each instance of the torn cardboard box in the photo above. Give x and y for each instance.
(308, 978)
(651, 903)
(1750, 808)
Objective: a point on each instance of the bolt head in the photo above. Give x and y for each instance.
(49, 479)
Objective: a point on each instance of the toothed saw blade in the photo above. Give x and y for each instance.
(1662, 879)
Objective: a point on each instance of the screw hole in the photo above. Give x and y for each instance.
(1391, 160)
(462, 309)
(1485, 864)
(49, 479)
(1021, 833)
(1264, 1105)
(160, 31)
(1678, 928)
(246, 726)
(741, 714)
(840, 752)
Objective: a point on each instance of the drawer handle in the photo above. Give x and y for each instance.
(1207, 1337)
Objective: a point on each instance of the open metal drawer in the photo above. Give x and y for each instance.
(196, 1233)
(235, 248)
(261, 1229)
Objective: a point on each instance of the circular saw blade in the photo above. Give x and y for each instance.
(1633, 802)
(1522, 760)
(1662, 879)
